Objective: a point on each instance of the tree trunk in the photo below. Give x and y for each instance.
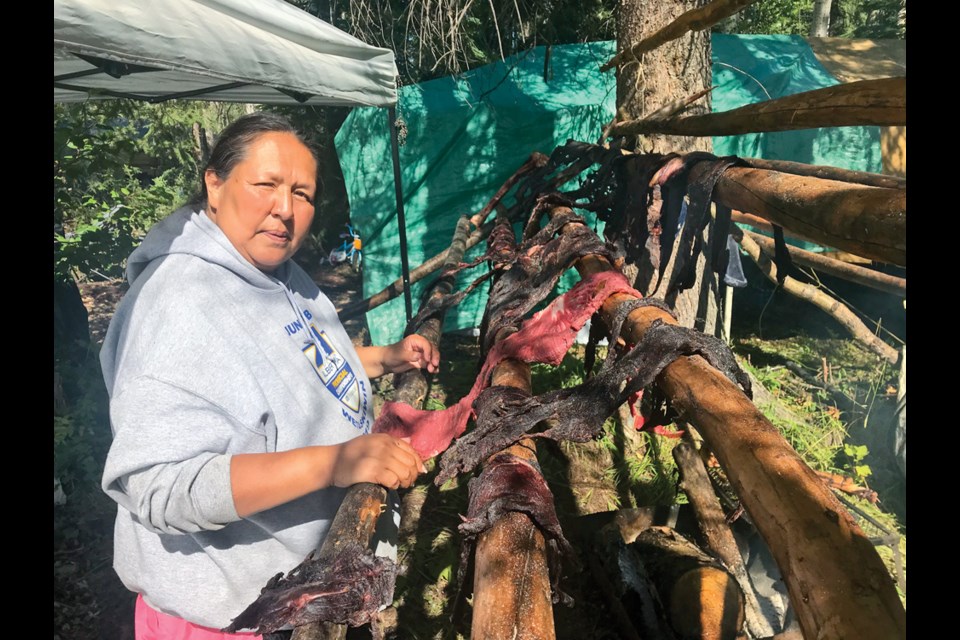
(677, 68)
(821, 19)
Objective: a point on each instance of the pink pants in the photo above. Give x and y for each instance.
(153, 625)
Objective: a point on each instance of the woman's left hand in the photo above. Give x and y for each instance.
(413, 352)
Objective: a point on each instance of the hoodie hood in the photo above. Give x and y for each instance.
(189, 231)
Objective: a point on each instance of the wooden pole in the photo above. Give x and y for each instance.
(765, 225)
(411, 386)
(815, 296)
(713, 525)
(356, 520)
(866, 221)
(693, 20)
(511, 588)
(829, 173)
(352, 522)
(880, 102)
(837, 583)
(849, 272)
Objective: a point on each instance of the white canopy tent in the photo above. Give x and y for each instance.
(254, 51)
(250, 51)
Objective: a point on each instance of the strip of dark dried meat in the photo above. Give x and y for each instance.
(348, 589)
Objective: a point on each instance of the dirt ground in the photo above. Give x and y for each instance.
(90, 603)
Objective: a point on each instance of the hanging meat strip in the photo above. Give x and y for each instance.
(348, 589)
(505, 416)
(510, 483)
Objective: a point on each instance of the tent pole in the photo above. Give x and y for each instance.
(401, 221)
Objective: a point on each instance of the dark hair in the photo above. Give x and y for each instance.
(231, 146)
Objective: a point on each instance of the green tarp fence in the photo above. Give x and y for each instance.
(465, 135)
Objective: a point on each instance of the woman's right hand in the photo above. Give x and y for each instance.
(378, 458)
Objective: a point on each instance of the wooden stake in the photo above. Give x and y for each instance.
(865, 103)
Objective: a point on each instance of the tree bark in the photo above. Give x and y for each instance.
(693, 20)
(821, 19)
(680, 67)
(865, 103)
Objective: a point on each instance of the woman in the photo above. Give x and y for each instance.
(238, 404)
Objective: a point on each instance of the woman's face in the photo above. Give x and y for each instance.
(265, 205)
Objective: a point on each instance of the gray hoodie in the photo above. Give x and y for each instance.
(206, 357)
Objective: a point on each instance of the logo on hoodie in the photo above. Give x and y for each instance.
(333, 369)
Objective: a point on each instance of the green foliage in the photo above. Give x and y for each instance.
(869, 19)
(781, 17)
(855, 454)
(118, 167)
(848, 18)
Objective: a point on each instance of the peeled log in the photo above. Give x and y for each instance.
(701, 599)
(866, 221)
(355, 521)
(511, 587)
(880, 102)
(837, 583)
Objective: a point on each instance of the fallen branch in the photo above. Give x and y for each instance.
(815, 296)
(849, 272)
(693, 20)
(865, 103)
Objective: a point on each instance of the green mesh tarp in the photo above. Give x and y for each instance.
(748, 69)
(466, 135)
